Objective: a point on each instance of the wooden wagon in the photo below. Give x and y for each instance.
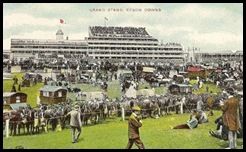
(14, 99)
(52, 94)
(180, 89)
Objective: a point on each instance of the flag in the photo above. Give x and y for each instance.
(106, 18)
(62, 21)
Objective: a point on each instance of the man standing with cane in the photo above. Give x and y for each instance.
(75, 123)
(134, 124)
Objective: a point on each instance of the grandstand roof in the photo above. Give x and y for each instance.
(51, 88)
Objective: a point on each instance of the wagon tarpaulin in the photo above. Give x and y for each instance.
(93, 95)
(16, 106)
(146, 92)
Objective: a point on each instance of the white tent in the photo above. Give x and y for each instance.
(131, 92)
(148, 69)
(7, 75)
(60, 56)
(172, 73)
(15, 69)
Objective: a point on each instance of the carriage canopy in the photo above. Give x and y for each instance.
(94, 95)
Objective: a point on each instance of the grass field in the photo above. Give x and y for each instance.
(113, 134)
(31, 92)
(212, 87)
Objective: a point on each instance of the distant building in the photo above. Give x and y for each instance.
(222, 55)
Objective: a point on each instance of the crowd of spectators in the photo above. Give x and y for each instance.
(119, 31)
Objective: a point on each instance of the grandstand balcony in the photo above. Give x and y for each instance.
(136, 55)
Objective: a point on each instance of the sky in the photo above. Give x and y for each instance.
(210, 27)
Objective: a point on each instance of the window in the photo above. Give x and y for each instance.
(46, 94)
(59, 94)
(17, 99)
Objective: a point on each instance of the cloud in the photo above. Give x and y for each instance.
(6, 44)
(218, 38)
(205, 25)
(202, 11)
(36, 35)
(21, 19)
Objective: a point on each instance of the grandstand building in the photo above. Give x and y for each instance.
(6, 54)
(113, 43)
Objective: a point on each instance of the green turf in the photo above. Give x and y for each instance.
(212, 87)
(192, 82)
(114, 90)
(155, 133)
(31, 92)
(113, 134)
(7, 85)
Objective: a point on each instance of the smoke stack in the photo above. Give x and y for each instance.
(67, 38)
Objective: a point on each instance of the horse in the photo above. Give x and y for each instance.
(15, 118)
(95, 111)
(86, 114)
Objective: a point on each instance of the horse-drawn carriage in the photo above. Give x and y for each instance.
(84, 78)
(26, 83)
(180, 89)
(197, 71)
(178, 79)
(38, 77)
(125, 75)
(229, 82)
(31, 77)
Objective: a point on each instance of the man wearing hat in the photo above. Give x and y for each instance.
(75, 123)
(230, 117)
(134, 124)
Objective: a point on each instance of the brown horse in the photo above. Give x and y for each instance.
(15, 121)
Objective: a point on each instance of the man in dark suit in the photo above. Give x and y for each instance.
(230, 118)
(75, 123)
(134, 124)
